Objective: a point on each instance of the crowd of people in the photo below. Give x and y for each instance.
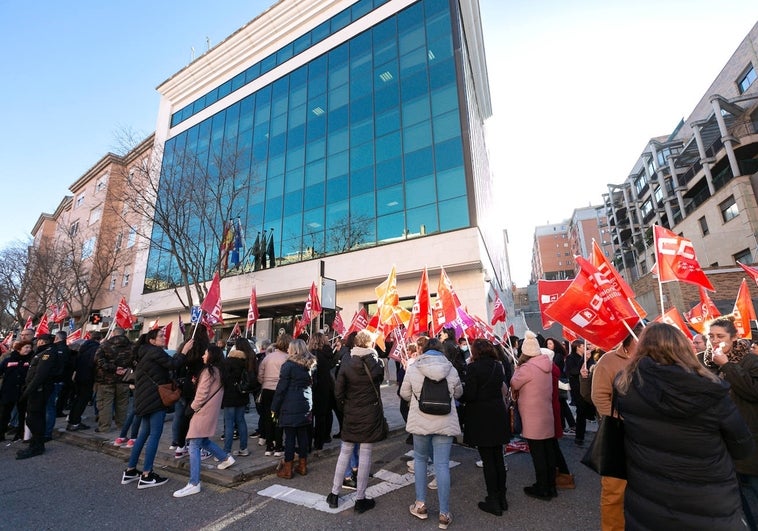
(689, 407)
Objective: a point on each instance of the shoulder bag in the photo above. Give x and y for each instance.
(385, 426)
(606, 455)
(170, 393)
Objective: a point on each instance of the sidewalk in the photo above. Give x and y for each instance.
(254, 466)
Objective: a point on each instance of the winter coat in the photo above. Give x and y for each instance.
(323, 388)
(209, 394)
(486, 422)
(268, 370)
(44, 369)
(356, 394)
(743, 378)
(681, 433)
(153, 368)
(434, 365)
(534, 382)
(84, 371)
(236, 365)
(293, 399)
(113, 357)
(13, 369)
(455, 356)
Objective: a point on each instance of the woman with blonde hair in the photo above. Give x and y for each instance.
(293, 406)
(682, 433)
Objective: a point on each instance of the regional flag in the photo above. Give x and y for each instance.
(676, 260)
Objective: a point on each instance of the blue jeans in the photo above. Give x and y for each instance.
(194, 455)
(440, 446)
(749, 495)
(353, 465)
(132, 420)
(234, 416)
(50, 410)
(150, 431)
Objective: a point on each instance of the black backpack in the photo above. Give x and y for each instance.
(435, 397)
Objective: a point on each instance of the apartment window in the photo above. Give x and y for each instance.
(729, 209)
(88, 248)
(744, 256)
(95, 215)
(565, 244)
(79, 200)
(125, 280)
(74, 229)
(703, 226)
(119, 238)
(101, 183)
(112, 285)
(132, 237)
(746, 79)
(659, 194)
(639, 183)
(647, 207)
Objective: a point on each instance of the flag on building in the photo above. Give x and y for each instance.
(212, 303)
(676, 260)
(270, 250)
(743, 311)
(257, 252)
(42, 327)
(123, 315)
(238, 243)
(252, 310)
(498, 312)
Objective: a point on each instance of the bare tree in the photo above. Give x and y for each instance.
(15, 285)
(347, 234)
(180, 202)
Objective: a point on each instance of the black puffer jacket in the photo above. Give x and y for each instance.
(236, 364)
(357, 396)
(323, 388)
(743, 377)
(681, 433)
(85, 362)
(154, 367)
(115, 353)
(486, 417)
(13, 369)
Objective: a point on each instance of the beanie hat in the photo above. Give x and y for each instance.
(530, 347)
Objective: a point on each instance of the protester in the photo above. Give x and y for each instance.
(564, 479)
(533, 380)
(187, 377)
(13, 369)
(357, 391)
(738, 364)
(435, 432)
(112, 361)
(203, 413)
(84, 381)
(60, 351)
(153, 369)
(574, 363)
(567, 422)
(681, 433)
(236, 398)
(268, 376)
(324, 402)
(487, 425)
(293, 407)
(603, 374)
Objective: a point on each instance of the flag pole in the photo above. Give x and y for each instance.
(630, 329)
(660, 291)
(110, 329)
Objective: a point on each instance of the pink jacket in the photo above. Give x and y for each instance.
(534, 382)
(204, 422)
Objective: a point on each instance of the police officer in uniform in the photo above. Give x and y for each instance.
(44, 369)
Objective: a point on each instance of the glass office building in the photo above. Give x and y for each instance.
(360, 126)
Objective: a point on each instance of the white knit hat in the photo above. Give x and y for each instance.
(530, 347)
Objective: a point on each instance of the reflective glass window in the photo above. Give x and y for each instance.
(451, 183)
(419, 163)
(362, 206)
(388, 146)
(337, 189)
(453, 214)
(422, 220)
(390, 227)
(389, 200)
(362, 180)
(420, 192)
(389, 172)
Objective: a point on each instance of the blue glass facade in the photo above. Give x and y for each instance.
(358, 147)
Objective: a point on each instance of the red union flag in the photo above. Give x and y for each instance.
(593, 308)
(446, 295)
(252, 310)
(53, 312)
(62, 313)
(674, 318)
(702, 312)
(167, 331)
(676, 259)
(743, 311)
(29, 323)
(338, 325)
(753, 272)
(600, 261)
(548, 292)
(419, 321)
(312, 305)
(74, 336)
(498, 312)
(123, 315)
(42, 327)
(212, 303)
(359, 322)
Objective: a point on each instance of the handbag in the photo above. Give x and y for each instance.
(385, 427)
(606, 455)
(128, 377)
(170, 393)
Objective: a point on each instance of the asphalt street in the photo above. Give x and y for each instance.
(70, 487)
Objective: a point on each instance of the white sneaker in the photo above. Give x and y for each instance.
(433, 484)
(187, 490)
(480, 464)
(241, 453)
(411, 466)
(229, 461)
(204, 454)
(268, 452)
(261, 441)
(180, 452)
(278, 454)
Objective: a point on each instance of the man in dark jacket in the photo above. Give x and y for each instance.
(61, 353)
(84, 381)
(112, 360)
(63, 401)
(44, 369)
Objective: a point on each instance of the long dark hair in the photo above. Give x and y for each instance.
(144, 341)
(215, 363)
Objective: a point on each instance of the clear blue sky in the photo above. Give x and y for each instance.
(598, 78)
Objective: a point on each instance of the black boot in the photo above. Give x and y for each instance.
(491, 504)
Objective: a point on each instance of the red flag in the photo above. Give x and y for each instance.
(511, 330)
(743, 311)
(154, 325)
(702, 312)
(299, 327)
(29, 323)
(252, 310)
(8, 340)
(53, 313)
(419, 321)
(676, 259)
(42, 327)
(338, 326)
(548, 292)
(569, 335)
(753, 272)
(593, 308)
(315, 303)
(236, 333)
(62, 312)
(123, 315)
(498, 312)
(359, 322)
(600, 261)
(167, 331)
(446, 294)
(673, 318)
(74, 336)
(212, 303)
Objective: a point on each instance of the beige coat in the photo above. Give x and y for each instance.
(205, 420)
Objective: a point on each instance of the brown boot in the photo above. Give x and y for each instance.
(302, 466)
(564, 481)
(284, 470)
